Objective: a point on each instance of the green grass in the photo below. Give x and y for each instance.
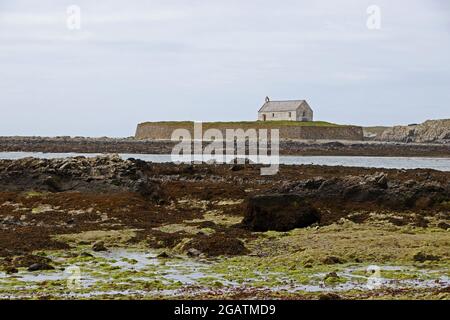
(248, 123)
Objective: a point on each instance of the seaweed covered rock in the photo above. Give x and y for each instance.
(279, 212)
(107, 173)
(217, 244)
(40, 266)
(375, 189)
(29, 260)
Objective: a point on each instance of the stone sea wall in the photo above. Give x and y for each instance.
(163, 131)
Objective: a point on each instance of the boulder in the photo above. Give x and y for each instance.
(10, 270)
(329, 296)
(99, 246)
(332, 260)
(331, 276)
(443, 225)
(217, 244)
(40, 266)
(163, 255)
(422, 257)
(86, 255)
(279, 212)
(192, 252)
(28, 260)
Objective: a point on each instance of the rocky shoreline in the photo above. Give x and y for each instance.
(78, 174)
(226, 220)
(287, 147)
(429, 131)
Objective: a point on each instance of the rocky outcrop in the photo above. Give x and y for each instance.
(437, 131)
(279, 212)
(374, 191)
(100, 174)
(327, 200)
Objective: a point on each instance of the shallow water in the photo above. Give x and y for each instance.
(442, 164)
(180, 275)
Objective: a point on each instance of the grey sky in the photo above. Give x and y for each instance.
(135, 61)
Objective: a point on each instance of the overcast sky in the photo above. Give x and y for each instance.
(133, 61)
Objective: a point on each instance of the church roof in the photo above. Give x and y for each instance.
(282, 106)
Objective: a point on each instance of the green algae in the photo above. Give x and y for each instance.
(109, 237)
(286, 263)
(127, 260)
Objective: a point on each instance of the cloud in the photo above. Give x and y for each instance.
(215, 60)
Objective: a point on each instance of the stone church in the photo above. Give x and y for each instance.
(291, 110)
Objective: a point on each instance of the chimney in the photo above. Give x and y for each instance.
(267, 99)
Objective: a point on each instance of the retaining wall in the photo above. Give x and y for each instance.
(163, 131)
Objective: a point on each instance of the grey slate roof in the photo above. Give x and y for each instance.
(280, 106)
